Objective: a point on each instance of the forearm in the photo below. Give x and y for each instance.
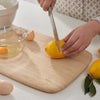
(95, 25)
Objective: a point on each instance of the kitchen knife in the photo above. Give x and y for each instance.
(54, 28)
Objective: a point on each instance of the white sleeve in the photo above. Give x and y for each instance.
(96, 18)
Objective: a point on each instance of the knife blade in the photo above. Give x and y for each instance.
(54, 28)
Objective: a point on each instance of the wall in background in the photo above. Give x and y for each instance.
(33, 1)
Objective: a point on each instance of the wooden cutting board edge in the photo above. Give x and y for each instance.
(49, 91)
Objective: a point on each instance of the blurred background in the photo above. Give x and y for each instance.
(33, 1)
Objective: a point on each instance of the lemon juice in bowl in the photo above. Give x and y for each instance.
(11, 44)
(12, 49)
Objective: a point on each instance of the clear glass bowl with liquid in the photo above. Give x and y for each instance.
(14, 43)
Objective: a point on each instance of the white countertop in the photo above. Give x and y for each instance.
(32, 17)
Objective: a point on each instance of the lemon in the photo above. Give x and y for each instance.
(52, 50)
(94, 69)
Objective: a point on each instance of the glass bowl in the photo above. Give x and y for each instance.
(11, 43)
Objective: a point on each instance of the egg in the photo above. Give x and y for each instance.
(5, 87)
(3, 50)
(30, 35)
(99, 51)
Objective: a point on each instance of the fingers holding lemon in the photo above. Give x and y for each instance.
(52, 50)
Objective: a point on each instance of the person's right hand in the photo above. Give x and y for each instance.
(45, 4)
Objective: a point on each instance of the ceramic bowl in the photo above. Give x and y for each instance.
(8, 10)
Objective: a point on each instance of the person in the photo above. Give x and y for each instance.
(80, 38)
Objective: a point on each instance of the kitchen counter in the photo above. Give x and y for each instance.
(32, 17)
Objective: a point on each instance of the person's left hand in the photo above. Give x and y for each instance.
(80, 38)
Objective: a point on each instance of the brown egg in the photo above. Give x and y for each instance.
(99, 51)
(5, 87)
(30, 35)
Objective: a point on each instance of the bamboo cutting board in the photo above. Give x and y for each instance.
(34, 68)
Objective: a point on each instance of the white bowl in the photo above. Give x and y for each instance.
(7, 15)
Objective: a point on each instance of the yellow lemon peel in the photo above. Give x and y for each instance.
(52, 50)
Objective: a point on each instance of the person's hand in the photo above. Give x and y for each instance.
(45, 4)
(80, 38)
